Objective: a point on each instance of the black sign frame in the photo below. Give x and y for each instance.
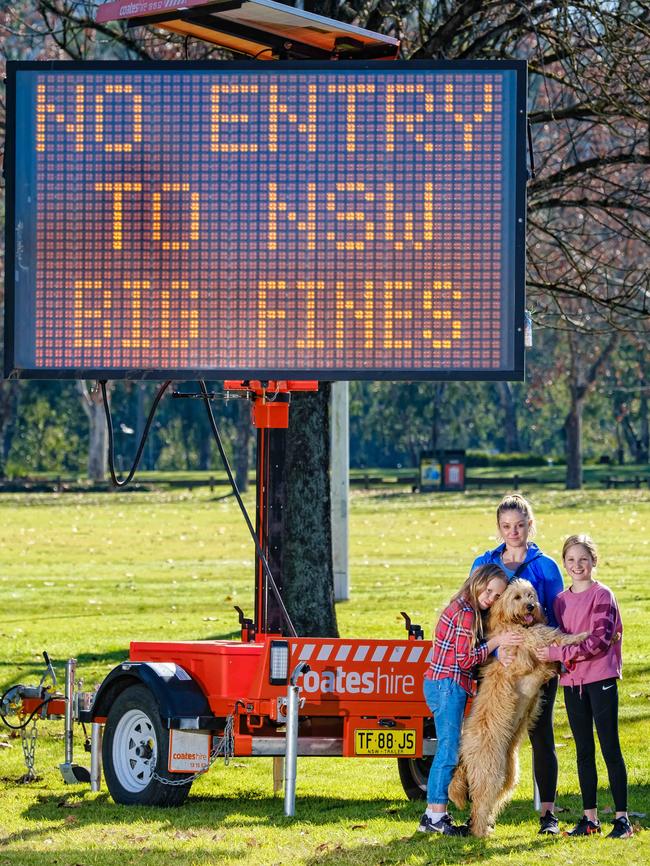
(513, 371)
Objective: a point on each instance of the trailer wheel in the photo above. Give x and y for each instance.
(136, 746)
(414, 774)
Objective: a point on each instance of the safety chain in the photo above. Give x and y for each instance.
(225, 747)
(28, 742)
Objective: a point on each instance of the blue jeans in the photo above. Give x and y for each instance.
(446, 700)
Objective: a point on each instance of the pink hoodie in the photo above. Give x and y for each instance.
(598, 657)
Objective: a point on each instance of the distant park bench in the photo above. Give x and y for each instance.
(68, 485)
(613, 481)
(506, 482)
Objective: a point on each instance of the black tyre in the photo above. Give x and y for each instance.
(136, 747)
(414, 772)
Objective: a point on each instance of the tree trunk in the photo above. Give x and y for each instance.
(205, 449)
(307, 574)
(644, 420)
(583, 374)
(91, 400)
(509, 408)
(140, 421)
(573, 446)
(242, 444)
(644, 438)
(631, 438)
(9, 394)
(438, 394)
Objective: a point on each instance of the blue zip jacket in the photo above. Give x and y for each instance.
(539, 569)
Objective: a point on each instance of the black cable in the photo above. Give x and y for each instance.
(251, 529)
(109, 424)
(24, 724)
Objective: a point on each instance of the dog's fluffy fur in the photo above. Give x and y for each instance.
(507, 705)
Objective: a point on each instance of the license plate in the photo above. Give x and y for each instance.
(373, 742)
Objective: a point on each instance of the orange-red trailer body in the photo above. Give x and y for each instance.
(352, 684)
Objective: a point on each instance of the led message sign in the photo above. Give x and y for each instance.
(323, 220)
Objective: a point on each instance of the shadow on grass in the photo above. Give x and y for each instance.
(421, 848)
(415, 852)
(202, 811)
(234, 823)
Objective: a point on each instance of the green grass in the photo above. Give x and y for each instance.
(82, 574)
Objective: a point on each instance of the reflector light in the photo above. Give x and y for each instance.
(279, 672)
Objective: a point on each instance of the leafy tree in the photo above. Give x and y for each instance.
(588, 203)
(629, 388)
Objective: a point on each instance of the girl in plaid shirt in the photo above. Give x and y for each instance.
(458, 648)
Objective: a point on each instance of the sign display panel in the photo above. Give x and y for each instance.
(323, 220)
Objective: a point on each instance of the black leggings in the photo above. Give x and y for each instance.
(543, 743)
(597, 704)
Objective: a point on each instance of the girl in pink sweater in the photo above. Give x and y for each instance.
(590, 674)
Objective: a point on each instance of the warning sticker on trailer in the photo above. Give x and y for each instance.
(189, 752)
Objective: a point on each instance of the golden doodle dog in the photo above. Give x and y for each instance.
(507, 704)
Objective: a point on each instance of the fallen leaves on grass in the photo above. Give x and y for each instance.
(328, 846)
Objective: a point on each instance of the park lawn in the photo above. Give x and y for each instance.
(83, 574)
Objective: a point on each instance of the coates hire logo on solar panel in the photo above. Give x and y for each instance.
(314, 220)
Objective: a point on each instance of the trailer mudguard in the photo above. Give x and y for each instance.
(181, 701)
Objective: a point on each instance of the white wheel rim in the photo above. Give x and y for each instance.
(134, 733)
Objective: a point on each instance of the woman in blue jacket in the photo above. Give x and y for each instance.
(519, 557)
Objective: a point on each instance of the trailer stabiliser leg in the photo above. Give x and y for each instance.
(72, 773)
(291, 748)
(96, 756)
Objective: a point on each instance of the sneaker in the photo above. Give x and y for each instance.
(548, 824)
(585, 827)
(622, 828)
(445, 826)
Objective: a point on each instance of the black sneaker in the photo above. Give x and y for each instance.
(548, 824)
(585, 827)
(622, 828)
(445, 826)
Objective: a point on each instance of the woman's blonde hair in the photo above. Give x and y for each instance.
(586, 541)
(516, 502)
(473, 587)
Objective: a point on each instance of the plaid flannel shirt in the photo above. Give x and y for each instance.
(454, 653)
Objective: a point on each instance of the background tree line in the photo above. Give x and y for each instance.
(588, 282)
(42, 427)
